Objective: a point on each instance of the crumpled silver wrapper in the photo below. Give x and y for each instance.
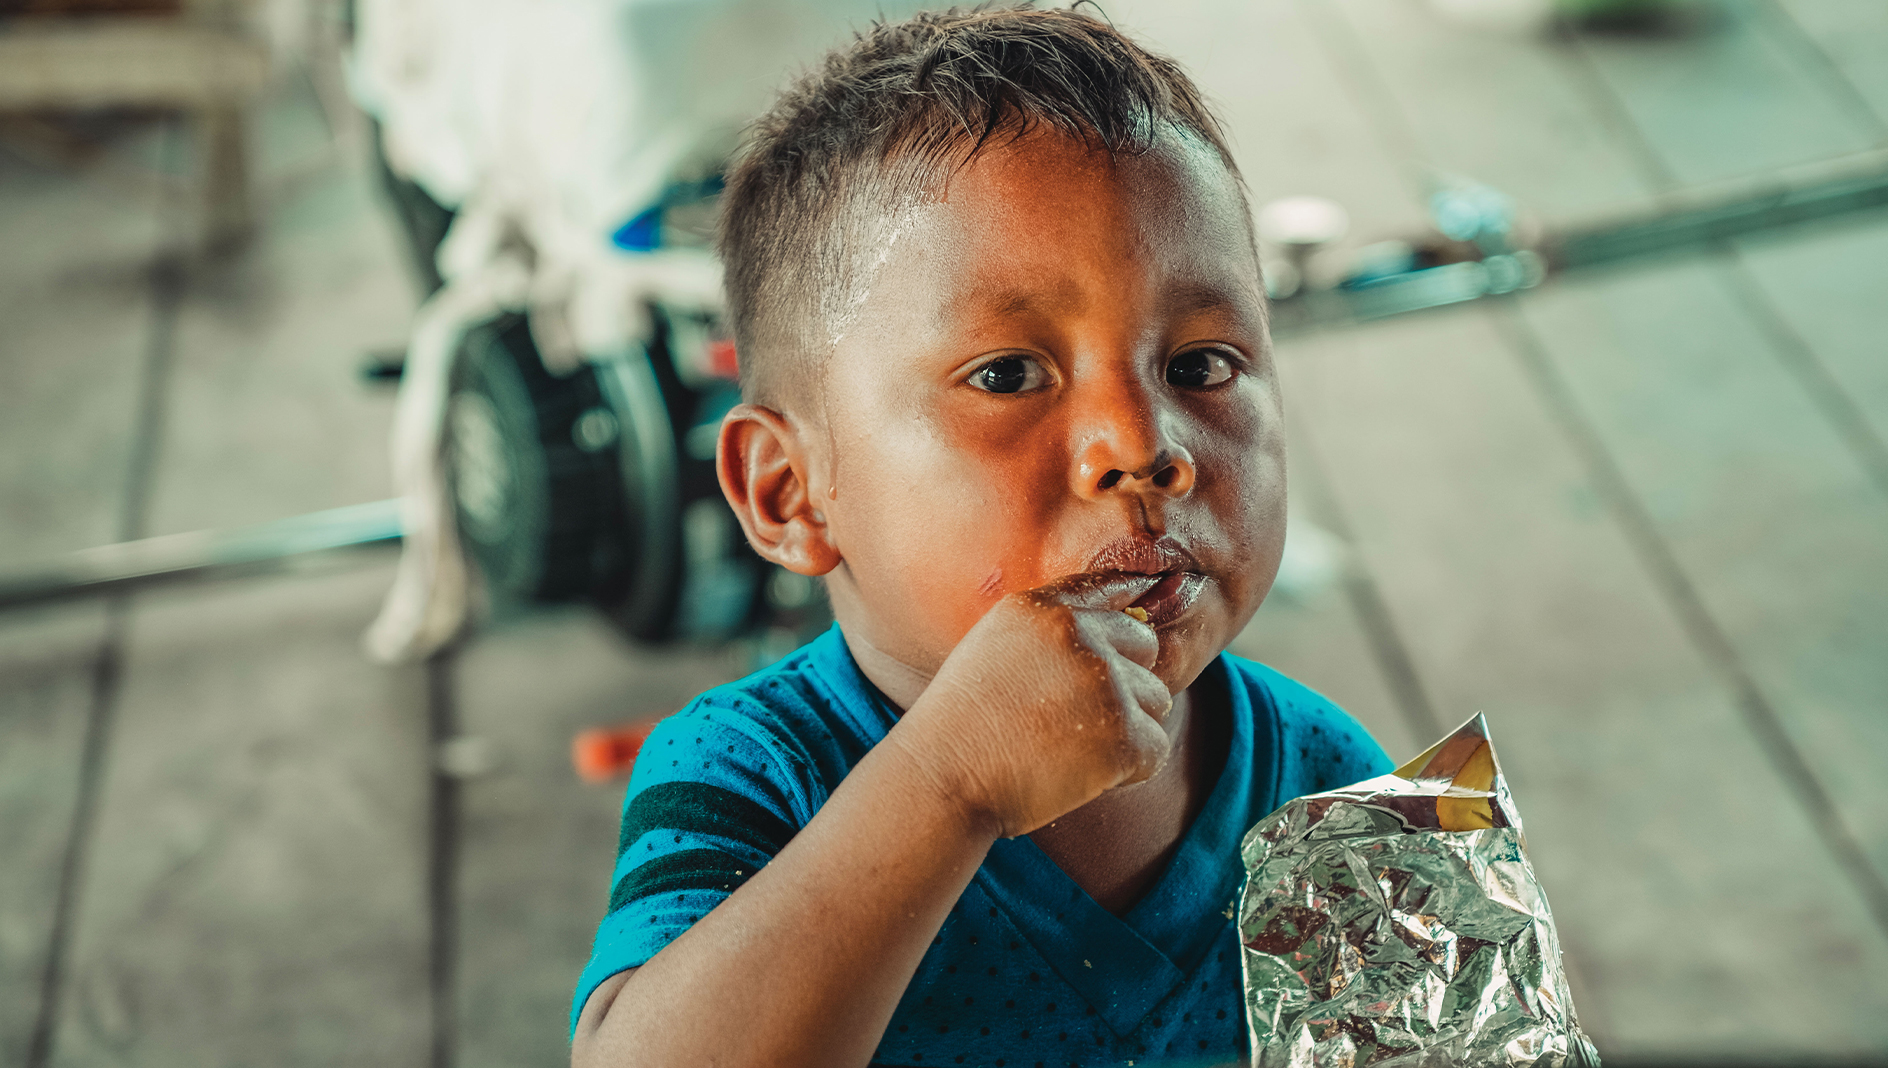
(1397, 922)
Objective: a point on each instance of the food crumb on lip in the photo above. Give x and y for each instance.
(1139, 613)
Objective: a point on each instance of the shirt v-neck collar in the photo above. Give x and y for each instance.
(1124, 966)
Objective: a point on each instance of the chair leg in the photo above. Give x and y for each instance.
(223, 176)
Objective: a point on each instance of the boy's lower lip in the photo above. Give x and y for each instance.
(1170, 598)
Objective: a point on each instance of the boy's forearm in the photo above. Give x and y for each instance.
(805, 963)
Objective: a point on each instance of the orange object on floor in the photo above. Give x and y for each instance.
(605, 753)
(722, 360)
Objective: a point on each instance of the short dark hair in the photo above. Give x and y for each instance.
(887, 116)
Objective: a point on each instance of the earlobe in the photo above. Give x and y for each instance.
(764, 472)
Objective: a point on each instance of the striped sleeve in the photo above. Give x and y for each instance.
(714, 796)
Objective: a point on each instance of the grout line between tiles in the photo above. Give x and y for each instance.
(1614, 116)
(1720, 654)
(1372, 95)
(107, 672)
(1830, 73)
(442, 870)
(1386, 643)
(166, 279)
(1347, 53)
(1798, 357)
(168, 282)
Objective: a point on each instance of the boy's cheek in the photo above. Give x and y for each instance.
(933, 572)
(1250, 513)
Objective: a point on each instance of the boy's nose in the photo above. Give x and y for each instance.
(1132, 457)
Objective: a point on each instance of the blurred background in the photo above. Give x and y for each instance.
(1580, 313)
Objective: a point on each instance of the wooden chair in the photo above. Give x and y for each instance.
(198, 57)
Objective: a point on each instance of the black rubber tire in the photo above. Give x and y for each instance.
(541, 515)
(551, 513)
(710, 590)
(640, 591)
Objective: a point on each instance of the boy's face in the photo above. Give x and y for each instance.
(1061, 366)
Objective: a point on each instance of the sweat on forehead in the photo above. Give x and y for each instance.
(818, 196)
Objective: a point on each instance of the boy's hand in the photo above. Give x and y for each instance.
(1047, 702)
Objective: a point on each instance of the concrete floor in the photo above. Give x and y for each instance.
(1639, 518)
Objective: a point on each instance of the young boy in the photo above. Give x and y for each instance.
(1004, 354)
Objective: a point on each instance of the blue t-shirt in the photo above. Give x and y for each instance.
(1027, 970)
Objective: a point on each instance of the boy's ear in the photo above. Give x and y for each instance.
(762, 465)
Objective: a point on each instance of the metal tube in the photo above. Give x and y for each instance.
(202, 554)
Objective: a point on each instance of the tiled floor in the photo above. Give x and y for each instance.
(1638, 517)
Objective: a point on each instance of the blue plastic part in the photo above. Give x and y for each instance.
(642, 233)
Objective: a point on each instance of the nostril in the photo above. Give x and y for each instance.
(1109, 480)
(1165, 477)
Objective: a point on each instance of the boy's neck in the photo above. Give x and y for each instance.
(1118, 846)
(901, 683)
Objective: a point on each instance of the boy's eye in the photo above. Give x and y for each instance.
(1009, 374)
(1199, 369)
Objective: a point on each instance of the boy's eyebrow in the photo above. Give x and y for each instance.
(1015, 301)
(1003, 302)
(1198, 297)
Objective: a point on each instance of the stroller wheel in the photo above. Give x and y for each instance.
(532, 462)
(584, 488)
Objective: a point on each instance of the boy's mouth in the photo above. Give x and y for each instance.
(1180, 577)
(1171, 596)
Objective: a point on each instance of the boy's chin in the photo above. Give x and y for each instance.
(1188, 646)
(1180, 669)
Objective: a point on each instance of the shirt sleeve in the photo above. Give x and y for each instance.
(713, 797)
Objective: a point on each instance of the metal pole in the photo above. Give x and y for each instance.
(202, 554)
(1697, 228)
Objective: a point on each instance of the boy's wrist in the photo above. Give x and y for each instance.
(923, 768)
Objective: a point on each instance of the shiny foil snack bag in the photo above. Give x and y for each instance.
(1398, 922)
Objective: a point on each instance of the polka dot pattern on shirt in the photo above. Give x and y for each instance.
(1015, 1019)
(726, 783)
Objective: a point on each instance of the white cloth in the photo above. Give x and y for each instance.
(547, 124)
(572, 115)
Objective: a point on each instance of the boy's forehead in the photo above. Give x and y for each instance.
(1026, 227)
